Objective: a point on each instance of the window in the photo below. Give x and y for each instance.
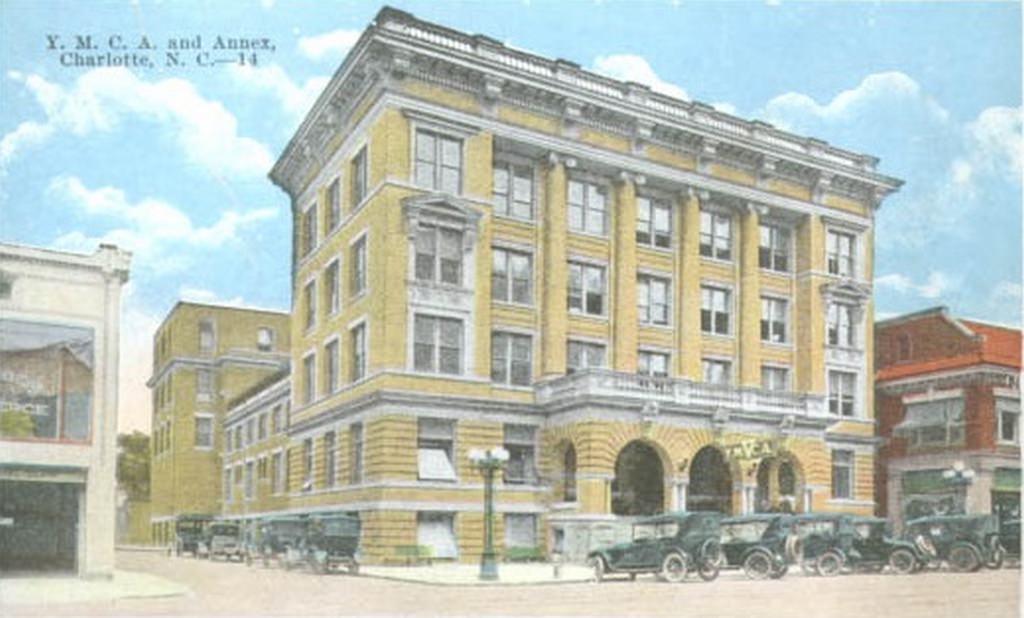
(586, 289)
(717, 371)
(356, 453)
(359, 180)
(206, 337)
(358, 342)
(587, 207)
(250, 431)
(520, 441)
(204, 431)
(435, 446)
(228, 486)
(227, 440)
(1009, 422)
(653, 223)
(512, 276)
(569, 474)
(652, 299)
(265, 339)
(250, 484)
(276, 473)
(308, 378)
(773, 252)
(286, 466)
(903, 347)
(331, 367)
(309, 296)
(204, 384)
(774, 319)
(774, 378)
(275, 420)
(841, 254)
(652, 364)
(841, 329)
(438, 254)
(358, 265)
(437, 532)
(309, 230)
(333, 205)
(933, 422)
(332, 294)
(307, 464)
(715, 235)
(715, 307)
(238, 437)
(520, 530)
(582, 355)
(513, 190)
(842, 388)
(262, 427)
(438, 162)
(438, 345)
(842, 474)
(330, 453)
(511, 359)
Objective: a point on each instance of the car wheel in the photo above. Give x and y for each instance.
(708, 569)
(673, 568)
(829, 564)
(758, 565)
(599, 568)
(902, 562)
(996, 555)
(780, 572)
(964, 558)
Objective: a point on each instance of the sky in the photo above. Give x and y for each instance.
(171, 161)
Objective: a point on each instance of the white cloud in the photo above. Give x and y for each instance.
(295, 100)
(154, 230)
(630, 67)
(937, 284)
(334, 44)
(206, 132)
(725, 108)
(994, 141)
(202, 295)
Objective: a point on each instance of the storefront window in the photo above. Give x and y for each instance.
(46, 381)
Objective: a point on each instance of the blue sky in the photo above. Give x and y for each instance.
(171, 162)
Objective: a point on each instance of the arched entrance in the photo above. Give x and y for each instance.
(639, 485)
(710, 482)
(777, 485)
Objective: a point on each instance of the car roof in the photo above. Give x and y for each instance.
(740, 519)
(941, 519)
(677, 516)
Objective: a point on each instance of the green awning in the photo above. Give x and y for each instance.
(1006, 479)
(924, 482)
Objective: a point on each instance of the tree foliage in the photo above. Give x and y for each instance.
(133, 464)
(16, 423)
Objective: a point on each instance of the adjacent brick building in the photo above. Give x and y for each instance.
(948, 409)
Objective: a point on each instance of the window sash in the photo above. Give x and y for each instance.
(587, 287)
(774, 248)
(309, 378)
(359, 182)
(654, 364)
(204, 432)
(512, 276)
(653, 300)
(437, 345)
(356, 439)
(333, 204)
(717, 371)
(715, 310)
(331, 287)
(842, 474)
(842, 393)
(438, 254)
(309, 231)
(583, 355)
(310, 298)
(841, 259)
(513, 190)
(358, 273)
(511, 359)
(330, 455)
(438, 162)
(331, 367)
(715, 235)
(587, 208)
(653, 223)
(775, 378)
(358, 367)
(774, 320)
(841, 329)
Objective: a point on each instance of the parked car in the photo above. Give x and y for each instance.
(332, 541)
(757, 544)
(222, 539)
(873, 548)
(964, 542)
(1009, 537)
(278, 540)
(670, 545)
(189, 529)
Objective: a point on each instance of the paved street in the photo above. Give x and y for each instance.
(220, 589)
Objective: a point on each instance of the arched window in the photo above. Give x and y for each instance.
(569, 474)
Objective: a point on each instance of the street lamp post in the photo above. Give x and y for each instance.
(960, 477)
(488, 462)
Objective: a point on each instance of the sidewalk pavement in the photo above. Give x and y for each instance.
(53, 590)
(468, 574)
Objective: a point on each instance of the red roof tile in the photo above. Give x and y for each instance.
(1000, 346)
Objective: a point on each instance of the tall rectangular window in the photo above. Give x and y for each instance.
(357, 283)
(204, 431)
(250, 480)
(309, 234)
(275, 420)
(717, 371)
(358, 360)
(331, 367)
(309, 299)
(586, 289)
(587, 207)
(330, 454)
(307, 464)
(520, 442)
(773, 251)
(206, 337)
(438, 162)
(333, 205)
(228, 485)
(652, 294)
(513, 190)
(356, 453)
(652, 364)
(438, 254)
(842, 474)
(520, 530)
(308, 378)
(715, 310)
(512, 276)
(841, 328)
(435, 447)
(653, 223)
(1009, 422)
(262, 427)
(715, 235)
(582, 355)
(359, 180)
(332, 292)
(438, 344)
(841, 254)
(774, 319)
(774, 378)
(204, 384)
(842, 393)
(511, 359)
(250, 431)
(276, 473)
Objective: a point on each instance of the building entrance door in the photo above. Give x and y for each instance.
(38, 526)
(710, 482)
(639, 485)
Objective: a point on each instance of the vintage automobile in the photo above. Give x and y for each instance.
(278, 539)
(832, 542)
(331, 542)
(670, 545)
(222, 539)
(1009, 538)
(964, 542)
(873, 548)
(757, 544)
(189, 529)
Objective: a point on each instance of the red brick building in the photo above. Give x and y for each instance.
(947, 406)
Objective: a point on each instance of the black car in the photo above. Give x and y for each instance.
(189, 531)
(872, 548)
(757, 544)
(332, 541)
(1009, 537)
(964, 542)
(670, 545)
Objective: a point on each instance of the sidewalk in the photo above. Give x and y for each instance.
(69, 589)
(468, 574)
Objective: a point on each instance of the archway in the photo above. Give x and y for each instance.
(778, 482)
(639, 485)
(710, 486)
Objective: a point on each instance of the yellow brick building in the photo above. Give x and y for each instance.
(204, 356)
(651, 304)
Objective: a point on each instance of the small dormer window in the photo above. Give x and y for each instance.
(265, 339)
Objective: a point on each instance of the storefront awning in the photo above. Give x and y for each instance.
(1006, 479)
